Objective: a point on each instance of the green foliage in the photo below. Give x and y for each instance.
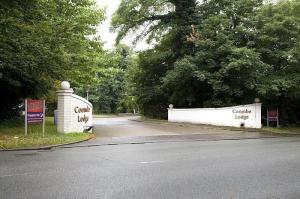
(168, 22)
(224, 69)
(42, 42)
(152, 16)
(216, 53)
(106, 93)
(213, 53)
(107, 87)
(279, 45)
(147, 78)
(155, 19)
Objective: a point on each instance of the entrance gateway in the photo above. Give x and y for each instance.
(74, 113)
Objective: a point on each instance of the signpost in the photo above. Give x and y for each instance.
(34, 113)
(272, 116)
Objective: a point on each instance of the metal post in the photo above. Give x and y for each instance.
(87, 95)
(44, 117)
(277, 119)
(25, 117)
(267, 118)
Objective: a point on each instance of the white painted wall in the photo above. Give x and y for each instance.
(69, 117)
(249, 114)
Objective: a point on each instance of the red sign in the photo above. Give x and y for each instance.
(35, 111)
(273, 115)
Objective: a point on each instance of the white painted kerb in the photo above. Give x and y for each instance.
(72, 114)
(249, 115)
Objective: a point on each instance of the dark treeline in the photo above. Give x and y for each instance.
(215, 53)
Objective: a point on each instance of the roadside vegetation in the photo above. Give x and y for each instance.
(46, 42)
(210, 53)
(215, 53)
(284, 130)
(12, 135)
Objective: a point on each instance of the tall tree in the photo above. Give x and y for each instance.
(226, 67)
(106, 85)
(215, 53)
(278, 43)
(41, 41)
(166, 22)
(154, 19)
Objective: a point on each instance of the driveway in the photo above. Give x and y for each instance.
(116, 130)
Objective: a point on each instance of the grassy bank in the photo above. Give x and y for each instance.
(12, 135)
(284, 130)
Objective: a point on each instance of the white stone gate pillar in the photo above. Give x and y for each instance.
(74, 113)
(64, 105)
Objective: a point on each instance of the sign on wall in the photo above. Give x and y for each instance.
(248, 116)
(74, 113)
(34, 113)
(82, 113)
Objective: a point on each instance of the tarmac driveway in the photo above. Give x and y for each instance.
(131, 129)
(133, 126)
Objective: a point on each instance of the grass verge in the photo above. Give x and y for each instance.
(12, 135)
(283, 130)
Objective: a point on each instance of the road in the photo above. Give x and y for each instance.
(248, 168)
(116, 127)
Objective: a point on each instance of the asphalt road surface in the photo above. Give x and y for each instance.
(129, 126)
(263, 168)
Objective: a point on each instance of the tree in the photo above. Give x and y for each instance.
(216, 53)
(167, 22)
(107, 81)
(278, 43)
(157, 19)
(41, 42)
(225, 68)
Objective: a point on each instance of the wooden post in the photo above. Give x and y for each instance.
(44, 117)
(277, 119)
(25, 117)
(267, 118)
